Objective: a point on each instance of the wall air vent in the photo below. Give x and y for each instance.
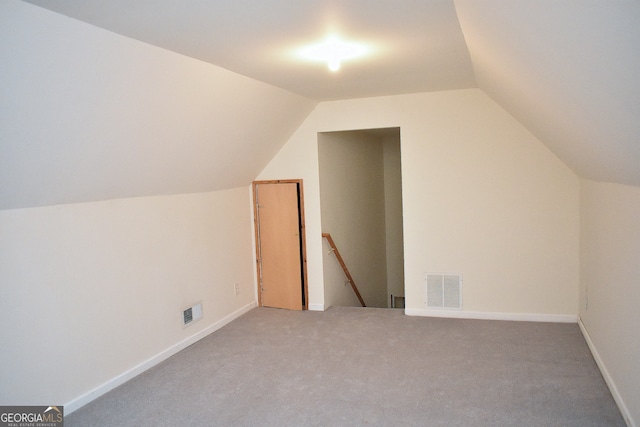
(187, 315)
(191, 314)
(444, 291)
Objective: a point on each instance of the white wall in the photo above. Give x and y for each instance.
(610, 286)
(393, 214)
(90, 291)
(568, 71)
(337, 291)
(87, 114)
(481, 197)
(353, 209)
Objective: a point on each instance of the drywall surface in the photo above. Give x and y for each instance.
(88, 291)
(87, 114)
(393, 215)
(568, 71)
(610, 283)
(481, 197)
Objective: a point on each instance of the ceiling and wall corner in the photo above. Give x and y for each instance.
(416, 48)
(90, 115)
(568, 71)
(119, 99)
(126, 116)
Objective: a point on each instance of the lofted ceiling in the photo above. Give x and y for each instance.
(569, 70)
(417, 45)
(566, 69)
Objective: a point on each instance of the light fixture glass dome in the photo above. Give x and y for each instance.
(333, 51)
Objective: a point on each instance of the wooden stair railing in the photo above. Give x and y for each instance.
(344, 266)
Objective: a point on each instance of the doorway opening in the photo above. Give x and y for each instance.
(361, 208)
(280, 244)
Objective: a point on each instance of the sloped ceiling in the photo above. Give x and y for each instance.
(105, 116)
(569, 70)
(417, 45)
(88, 115)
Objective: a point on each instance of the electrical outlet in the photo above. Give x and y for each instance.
(236, 289)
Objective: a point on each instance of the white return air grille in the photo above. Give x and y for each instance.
(191, 314)
(444, 291)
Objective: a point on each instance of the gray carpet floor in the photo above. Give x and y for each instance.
(366, 366)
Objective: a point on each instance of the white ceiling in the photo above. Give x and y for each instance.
(567, 69)
(418, 45)
(88, 115)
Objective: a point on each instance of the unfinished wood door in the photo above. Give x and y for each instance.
(279, 245)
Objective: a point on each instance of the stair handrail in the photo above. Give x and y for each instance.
(334, 248)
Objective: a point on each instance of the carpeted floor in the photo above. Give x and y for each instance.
(367, 366)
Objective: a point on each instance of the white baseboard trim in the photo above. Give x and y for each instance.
(316, 307)
(82, 400)
(607, 377)
(481, 315)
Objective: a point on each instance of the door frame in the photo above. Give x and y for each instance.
(303, 236)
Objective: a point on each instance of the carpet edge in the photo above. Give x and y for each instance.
(607, 377)
(109, 385)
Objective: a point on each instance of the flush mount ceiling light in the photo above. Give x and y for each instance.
(333, 51)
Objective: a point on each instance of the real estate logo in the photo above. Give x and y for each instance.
(31, 416)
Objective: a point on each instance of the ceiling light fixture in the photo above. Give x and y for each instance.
(333, 51)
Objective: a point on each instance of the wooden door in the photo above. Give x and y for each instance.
(279, 244)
